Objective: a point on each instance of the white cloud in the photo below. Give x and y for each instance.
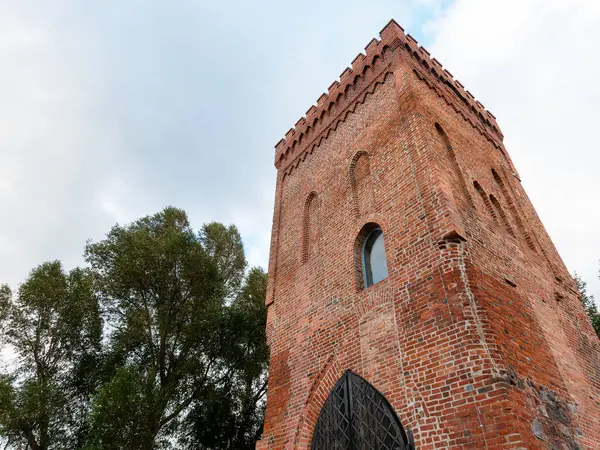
(110, 111)
(52, 144)
(532, 64)
(113, 110)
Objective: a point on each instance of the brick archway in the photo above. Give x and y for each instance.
(356, 415)
(331, 373)
(319, 391)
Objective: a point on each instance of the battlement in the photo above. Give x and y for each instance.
(365, 71)
(398, 155)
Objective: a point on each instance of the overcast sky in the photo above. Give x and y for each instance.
(112, 110)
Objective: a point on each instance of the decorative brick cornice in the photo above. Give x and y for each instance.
(361, 78)
(313, 137)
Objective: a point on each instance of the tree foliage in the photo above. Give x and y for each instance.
(176, 331)
(588, 303)
(160, 343)
(53, 325)
(230, 415)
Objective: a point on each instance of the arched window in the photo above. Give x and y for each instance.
(374, 262)
(357, 416)
(370, 256)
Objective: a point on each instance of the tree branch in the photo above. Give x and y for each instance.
(261, 391)
(190, 399)
(31, 439)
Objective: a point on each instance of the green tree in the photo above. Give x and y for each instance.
(224, 245)
(230, 415)
(120, 417)
(588, 303)
(182, 317)
(54, 328)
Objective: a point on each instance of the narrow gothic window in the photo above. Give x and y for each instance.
(357, 416)
(310, 226)
(373, 256)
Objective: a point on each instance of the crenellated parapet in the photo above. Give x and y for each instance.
(411, 283)
(366, 71)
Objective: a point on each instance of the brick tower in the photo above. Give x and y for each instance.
(415, 299)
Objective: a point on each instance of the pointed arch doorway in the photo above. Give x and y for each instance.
(356, 416)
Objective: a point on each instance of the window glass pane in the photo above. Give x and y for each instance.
(374, 263)
(378, 262)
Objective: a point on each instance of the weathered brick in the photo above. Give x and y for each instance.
(477, 337)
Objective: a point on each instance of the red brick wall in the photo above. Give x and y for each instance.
(477, 337)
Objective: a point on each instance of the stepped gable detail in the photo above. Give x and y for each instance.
(366, 72)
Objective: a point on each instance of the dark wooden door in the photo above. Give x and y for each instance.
(356, 416)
